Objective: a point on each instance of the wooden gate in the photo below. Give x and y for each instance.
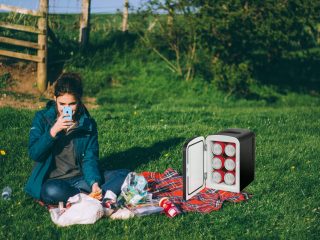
(40, 46)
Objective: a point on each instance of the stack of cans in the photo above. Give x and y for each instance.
(224, 162)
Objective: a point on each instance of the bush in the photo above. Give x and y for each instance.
(234, 79)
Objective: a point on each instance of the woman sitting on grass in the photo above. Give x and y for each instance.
(65, 151)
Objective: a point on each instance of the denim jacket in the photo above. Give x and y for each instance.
(85, 143)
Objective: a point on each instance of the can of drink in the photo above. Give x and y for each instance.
(217, 162)
(218, 176)
(6, 193)
(230, 164)
(230, 149)
(229, 177)
(218, 148)
(169, 208)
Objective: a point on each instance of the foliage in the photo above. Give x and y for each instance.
(173, 37)
(233, 79)
(6, 80)
(295, 70)
(239, 30)
(259, 33)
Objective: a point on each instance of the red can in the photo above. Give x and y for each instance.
(218, 148)
(230, 164)
(169, 208)
(229, 177)
(230, 149)
(218, 176)
(217, 162)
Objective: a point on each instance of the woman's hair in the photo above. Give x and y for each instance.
(71, 83)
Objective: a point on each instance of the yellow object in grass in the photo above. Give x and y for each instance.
(96, 195)
(2, 152)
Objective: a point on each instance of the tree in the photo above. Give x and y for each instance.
(210, 37)
(175, 34)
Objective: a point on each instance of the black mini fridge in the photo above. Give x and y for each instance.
(223, 161)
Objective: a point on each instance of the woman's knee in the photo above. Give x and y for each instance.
(54, 191)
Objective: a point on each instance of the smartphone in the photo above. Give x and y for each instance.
(67, 111)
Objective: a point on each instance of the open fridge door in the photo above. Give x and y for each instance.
(193, 167)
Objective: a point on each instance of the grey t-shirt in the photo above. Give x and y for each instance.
(65, 165)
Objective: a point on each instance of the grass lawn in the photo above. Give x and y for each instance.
(143, 126)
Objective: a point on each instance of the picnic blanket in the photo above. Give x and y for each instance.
(166, 184)
(170, 184)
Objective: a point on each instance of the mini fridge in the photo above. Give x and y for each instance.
(223, 161)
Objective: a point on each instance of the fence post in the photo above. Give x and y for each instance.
(84, 24)
(125, 16)
(43, 51)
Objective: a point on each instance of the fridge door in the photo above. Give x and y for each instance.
(193, 167)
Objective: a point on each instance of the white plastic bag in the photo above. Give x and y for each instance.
(83, 210)
(122, 213)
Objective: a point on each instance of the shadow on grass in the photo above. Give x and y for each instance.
(257, 97)
(54, 71)
(57, 57)
(120, 42)
(136, 156)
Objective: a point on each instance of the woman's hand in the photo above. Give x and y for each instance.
(60, 124)
(96, 191)
(95, 188)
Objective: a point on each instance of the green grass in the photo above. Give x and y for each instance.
(143, 125)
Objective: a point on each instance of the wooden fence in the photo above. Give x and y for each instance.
(40, 46)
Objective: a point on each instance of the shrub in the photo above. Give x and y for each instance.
(233, 79)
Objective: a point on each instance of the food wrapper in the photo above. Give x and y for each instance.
(96, 195)
(134, 190)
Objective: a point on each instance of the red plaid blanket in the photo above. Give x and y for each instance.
(169, 184)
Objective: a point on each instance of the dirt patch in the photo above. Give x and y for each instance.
(22, 91)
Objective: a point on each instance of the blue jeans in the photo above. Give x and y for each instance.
(54, 191)
(114, 179)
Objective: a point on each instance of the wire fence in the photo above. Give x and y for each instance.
(69, 6)
(64, 17)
